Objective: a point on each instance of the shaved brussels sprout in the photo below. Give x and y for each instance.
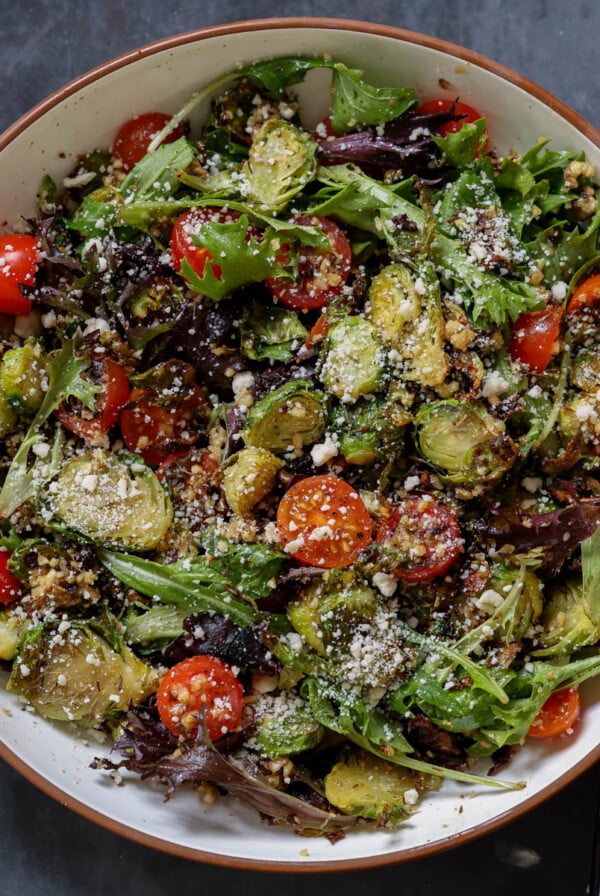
(566, 624)
(362, 784)
(24, 378)
(281, 161)
(407, 314)
(269, 332)
(116, 501)
(355, 362)
(11, 632)
(83, 674)
(287, 418)
(285, 726)
(248, 477)
(467, 446)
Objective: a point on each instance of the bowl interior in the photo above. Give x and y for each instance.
(85, 116)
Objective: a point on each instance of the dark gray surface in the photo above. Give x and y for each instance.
(49, 851)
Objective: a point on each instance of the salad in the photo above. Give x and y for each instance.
(300, 426)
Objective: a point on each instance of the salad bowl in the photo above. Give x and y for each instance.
(85, 115)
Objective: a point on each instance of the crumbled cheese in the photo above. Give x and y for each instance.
(489, 601)
(532, 484)
(493, 384)
(411, 797)
(324, 451)
(386, 583)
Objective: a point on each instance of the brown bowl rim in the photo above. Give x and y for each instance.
(151, 49)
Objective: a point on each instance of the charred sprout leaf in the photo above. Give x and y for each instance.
(280, 163)
(553, 535)
(241, 257)
(80, 674)
(115, 501)
(198, 761)
(23, 481)
(155, 175)
(206, 634)
(357, 103)
(191, 584)
(270, 332)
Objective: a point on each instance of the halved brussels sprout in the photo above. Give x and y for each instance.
(407, 314)
(76, 675)
(362, 784)
(287, 418)
(285, 726)
(585, 370)
(270, 332)
(466, 445)
(566, 624)
(328, 613)
(281, 161)
(248, 477)
(362, 430)
(116, 501)
(355, 362)
(12, 629)
(24, 378)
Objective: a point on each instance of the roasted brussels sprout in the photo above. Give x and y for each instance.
(116, 501)
(585, 371)
(566, 622)
(269, 332)
(468, 447)
(12, 629)
(281, 161)
(287, 418)
(362, 784)
(328, 612)
(407, 314)
(362, 429)
(355, 361)
(248, 477)
(83, 673)
(285, 726)
(24, 378)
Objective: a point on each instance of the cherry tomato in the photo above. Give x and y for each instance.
(533, 337)
(587, 295)
(134, 137)
(468, 113)
(425, 537)
(200, 684)
(114, 395)
(317, 332)
(10, 588)
(19, 256)
(160, 420)
(558, 714)
(321, 274)
(322, 521)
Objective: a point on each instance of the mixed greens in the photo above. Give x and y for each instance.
(300, 473)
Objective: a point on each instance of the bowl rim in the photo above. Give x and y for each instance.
(216, 31)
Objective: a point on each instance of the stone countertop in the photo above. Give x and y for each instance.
(51, 851)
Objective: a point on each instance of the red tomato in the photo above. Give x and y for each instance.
(533, 337)
(321, 274)
(10, 588)
(160, 422)
(134, 137)
(322, 521)
(425, 536)
(115, 392)
(587, 295)
(558, 714)
(19, 256)
(468, 113)
(200, 684)
(317, 332)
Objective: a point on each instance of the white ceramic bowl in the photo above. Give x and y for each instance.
(85, 115)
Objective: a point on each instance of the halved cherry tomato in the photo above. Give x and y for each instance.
(19, 256)
(197, 685)
(10, 588)
(317, 332)
(533, 337)
(134, 137)
(322, 521)
(558, 714)
(422, 538)
(468, 115)
(587, 295)
(160, 420)
(321, 273)
(114, 395)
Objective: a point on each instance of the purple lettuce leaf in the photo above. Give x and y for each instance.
(212, 635)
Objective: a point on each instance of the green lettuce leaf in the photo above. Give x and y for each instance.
(356, 103)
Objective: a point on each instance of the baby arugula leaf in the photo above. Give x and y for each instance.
(155, 175)
(356, 103)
